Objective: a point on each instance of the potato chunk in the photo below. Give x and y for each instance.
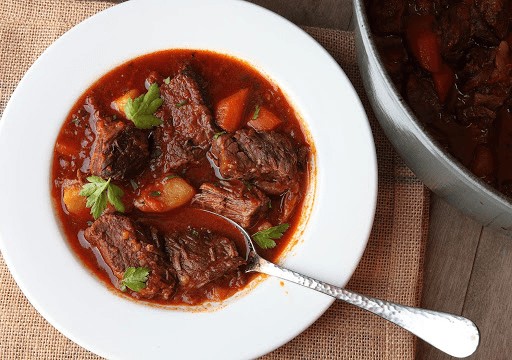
(119, 103)
(74, 202)
(168, 194)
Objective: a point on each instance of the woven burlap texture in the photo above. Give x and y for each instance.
(391, 267)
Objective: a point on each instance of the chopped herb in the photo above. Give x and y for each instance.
(89, 223)
(141, 110)
(248, 185)
(269, 204)
(98, 192)
(167, 80)
(155, 193)
(114, 117)
(134, 184)
(76, 121)
(194, 232)
(216, 135)
(135, 278)
(181, 103)
(169, 177)
(256, 112)
(265, 238)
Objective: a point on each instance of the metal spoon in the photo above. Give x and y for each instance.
(455, 335)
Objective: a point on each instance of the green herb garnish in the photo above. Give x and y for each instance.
(182, 103)
(155, 193)
(135, 278)
(141, 110)
(167, 80)
(98, 192)
(265, 238)
(216, 135)
(256, 112)
(169, 177)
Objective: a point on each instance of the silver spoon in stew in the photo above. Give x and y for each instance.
(455, 335)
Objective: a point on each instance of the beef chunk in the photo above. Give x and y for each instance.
(200, 257)
(234, 200)
(122, 244)
(119, 151)
(423, 98)
(454, 30)
(187, 128)
(386, 16)
(490, 20)
(267, 158)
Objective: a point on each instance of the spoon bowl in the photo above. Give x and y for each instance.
(452, 334)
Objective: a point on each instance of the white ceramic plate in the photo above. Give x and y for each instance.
(78, 304)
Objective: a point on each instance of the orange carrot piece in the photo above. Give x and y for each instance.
(265, 120)
(229, 111)
(424, 43)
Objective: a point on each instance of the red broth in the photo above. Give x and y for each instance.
(222, 76)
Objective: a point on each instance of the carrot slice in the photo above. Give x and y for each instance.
(265, 120)
(424, 42)
(229, 111)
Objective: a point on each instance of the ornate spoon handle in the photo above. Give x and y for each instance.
(455, 335)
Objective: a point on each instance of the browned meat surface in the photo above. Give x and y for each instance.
(490, 20)
(123, 245)
(200, 257)
(422, 98)
(454, 28)
(267, 158)
(386, 16)
(425, 7)
(187, 130)
(241, 203)
(120, 151)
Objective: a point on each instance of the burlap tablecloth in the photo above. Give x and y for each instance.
(391, 267)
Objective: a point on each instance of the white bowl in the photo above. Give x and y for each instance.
(74, 300)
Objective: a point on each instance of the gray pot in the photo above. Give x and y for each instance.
(440, 171)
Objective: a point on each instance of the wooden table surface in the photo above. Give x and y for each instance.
(468, 268)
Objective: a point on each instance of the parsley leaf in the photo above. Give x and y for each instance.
(265, 238)
(135, 278)
(167, 80)
(155, 193)
(98, 192)
(141, 109)
(216, 135)
(256, 112)
(169, 177)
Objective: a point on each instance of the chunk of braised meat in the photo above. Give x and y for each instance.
(187, 129)
(423, 98)
(425, 7)
(454, 28)
(386, 16)
(393, 55)
(200, 257)
(119, 151)
(267, 159)
(491, 20)
(122, 244)
(237, 201)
